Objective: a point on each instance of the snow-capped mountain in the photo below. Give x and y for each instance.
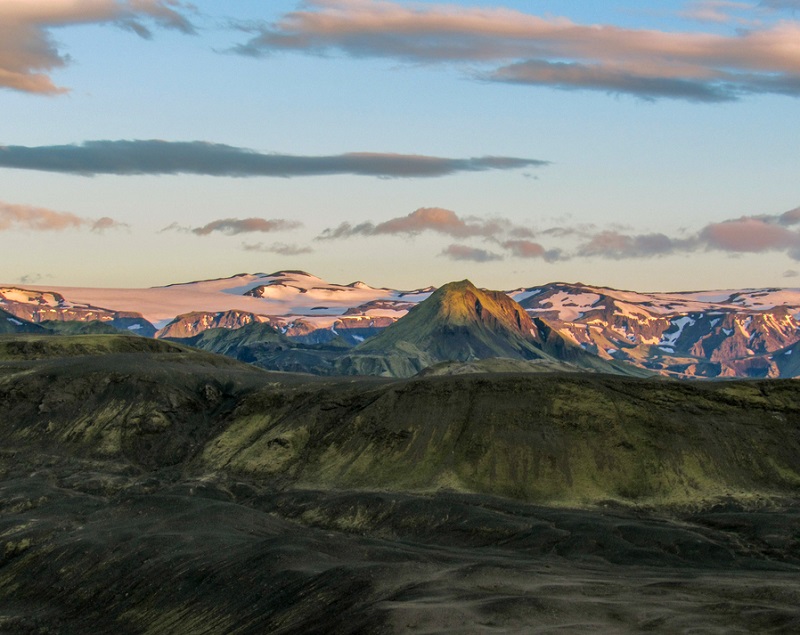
(748, 332)
(714, 334)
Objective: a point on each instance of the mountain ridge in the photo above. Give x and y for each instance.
(725, 333)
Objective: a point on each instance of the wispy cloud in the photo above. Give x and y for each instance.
(28, 53)
(465, 252)
(523, 48)
(282, 249)
(214, 159)
(791, 5)
(430, 219)
(28, 217)
(106, 223)
(233, 226)
(33, 278)
(748, 234)
(717, 11)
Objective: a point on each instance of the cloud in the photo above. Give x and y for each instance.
(28, 217)
(233, 226)
(523, 48)
(749, 234)
(281, 249)
(435, 219)
(28, 54)
(33, 278)
(791, 273)
(213, 159)
(530, 249)
(574, 76)
(616, 245)
(465, 252)
(715, 11)
(104, 223)
(791, 5)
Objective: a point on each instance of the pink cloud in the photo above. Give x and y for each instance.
(549, 51)
(434, 219)
(28, 217)
(28, 53)
(749, 234)
(525, 248)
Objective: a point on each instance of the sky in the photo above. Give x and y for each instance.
(652, 146)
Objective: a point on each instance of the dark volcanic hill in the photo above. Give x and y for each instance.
(150, 488)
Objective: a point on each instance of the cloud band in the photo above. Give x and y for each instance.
(213, 159)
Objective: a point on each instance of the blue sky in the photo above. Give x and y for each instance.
(648, 145)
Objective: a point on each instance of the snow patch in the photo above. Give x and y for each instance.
(670, 339)
(519, 296)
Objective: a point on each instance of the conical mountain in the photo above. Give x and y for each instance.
(461, 322)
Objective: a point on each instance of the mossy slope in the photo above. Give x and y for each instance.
(568, 439)
(557, 439)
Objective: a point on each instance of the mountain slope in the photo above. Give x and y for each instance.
(461, 322)
(10, 323)
(570, 438)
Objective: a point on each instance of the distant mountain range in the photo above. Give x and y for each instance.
(292, 320)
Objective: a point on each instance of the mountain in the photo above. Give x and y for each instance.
(711, 334)
(461, 322)
(10, 323)
(38, 306)
(699, 334)
(194, 323)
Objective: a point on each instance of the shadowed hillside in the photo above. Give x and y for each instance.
(558, 438)
(167, 490)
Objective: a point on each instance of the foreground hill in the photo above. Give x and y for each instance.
(150, 488)
(561, 438)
